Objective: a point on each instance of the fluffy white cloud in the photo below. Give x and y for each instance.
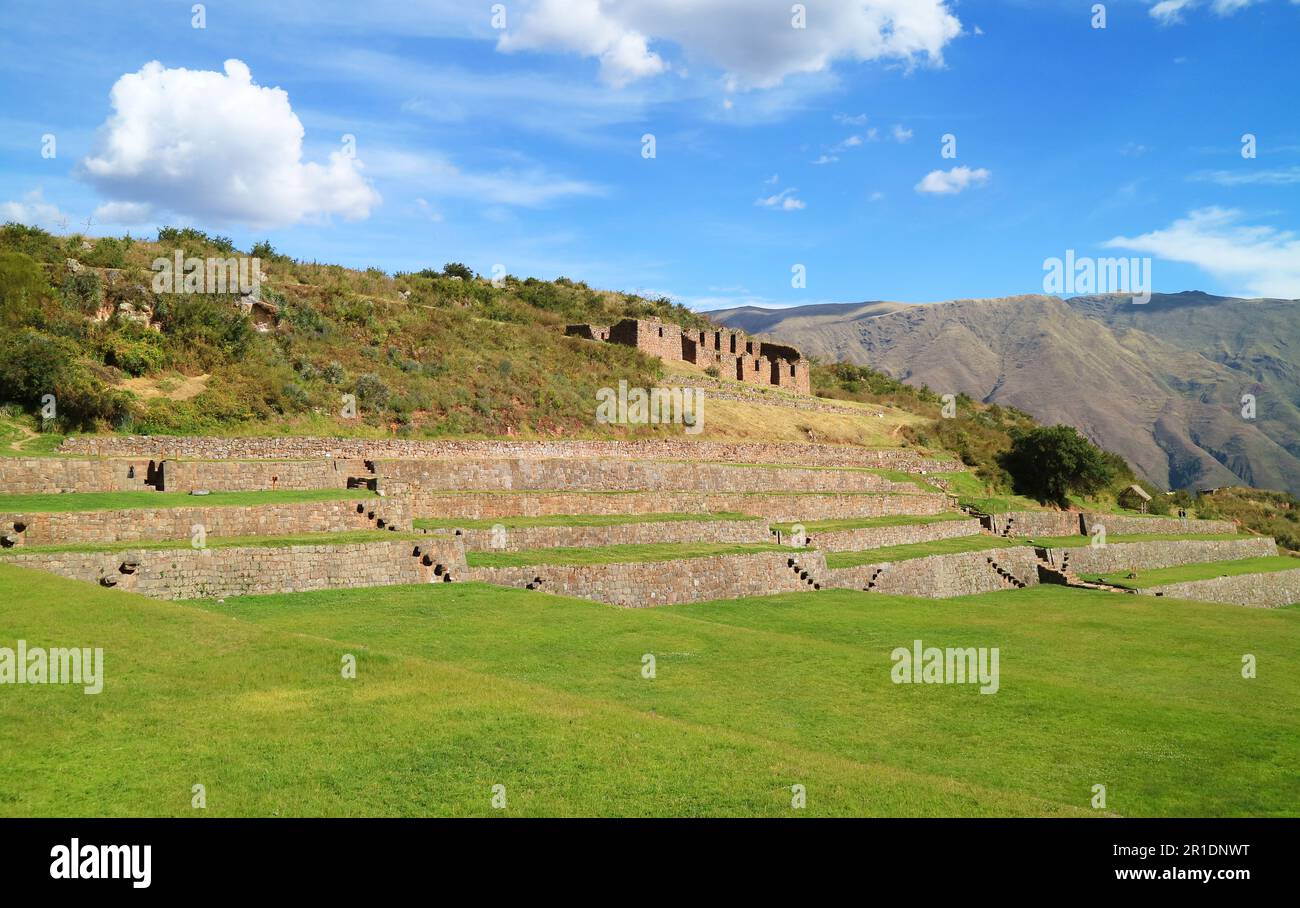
(753, 41)
(951, 182)
(34, 211)
(784, 200)
(129, 213)
(901, 134)
(1265, 260)
(219, 147)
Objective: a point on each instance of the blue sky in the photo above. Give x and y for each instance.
(774, 146)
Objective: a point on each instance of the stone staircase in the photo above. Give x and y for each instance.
(793, 564)
(1010, 579)
(1049, 572)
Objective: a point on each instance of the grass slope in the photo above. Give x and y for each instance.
(461, 687)
(921, 550)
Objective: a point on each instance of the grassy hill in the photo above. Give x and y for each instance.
(463, 687)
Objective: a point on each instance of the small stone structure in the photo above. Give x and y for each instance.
(733, 353)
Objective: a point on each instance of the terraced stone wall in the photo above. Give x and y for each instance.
(645, 584)
(147, 524)
(1120, 556)
(1267, 590)
(221, 572)
(942, 576)
(518, 539)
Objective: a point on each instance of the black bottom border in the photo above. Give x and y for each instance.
(336, 856)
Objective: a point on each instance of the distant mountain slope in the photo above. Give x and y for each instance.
(1160, 384)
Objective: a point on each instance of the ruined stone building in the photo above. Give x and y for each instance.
(734, 353)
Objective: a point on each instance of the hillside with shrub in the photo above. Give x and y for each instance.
(438, 352)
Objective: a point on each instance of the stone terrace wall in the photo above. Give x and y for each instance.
(43, 475)
(940, 576)
(1119, 556)
(643, 584)
(775, 508)
(879, 537)
(151, 524)
(627, 475)
(221, 572)
(260, 475)
(293, 448)
(1266, 590)
(1072, 523)
(518, 539)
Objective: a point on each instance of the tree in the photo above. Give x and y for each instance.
(1048, 463)
(456, 269)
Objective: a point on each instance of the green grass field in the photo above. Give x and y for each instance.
(461, 687)
(618, 554)
(567, 520)
(1200, 571)
(112, 501)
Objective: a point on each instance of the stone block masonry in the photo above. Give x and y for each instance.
(241, 571)
(46, 475)
(1265, 590)
(644, 584)
(519, 539)
(879, 537)
(776, 508)
(1074, 523)
(596, 475)
(152, 524)
(1124, 556)
(942, 576)
(306, 448)
(263, 475)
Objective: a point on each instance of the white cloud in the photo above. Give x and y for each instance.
(1169, 12)
(951, 182)
(901, 134)
(753, 41)
(528, 186)
(826, 159)
(1282, 176)
(128, 213)
(34, 211)
(218, 147)
(1266, 261)
(783, 200)
(855, 120)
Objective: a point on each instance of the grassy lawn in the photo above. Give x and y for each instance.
(619, 554)
(920, 550)
(1202, 571)
(111, 501)
(569, 520)
(463, 686)
(860, 523)
(345, 537)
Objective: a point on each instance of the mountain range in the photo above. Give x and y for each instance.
(1194, 390)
